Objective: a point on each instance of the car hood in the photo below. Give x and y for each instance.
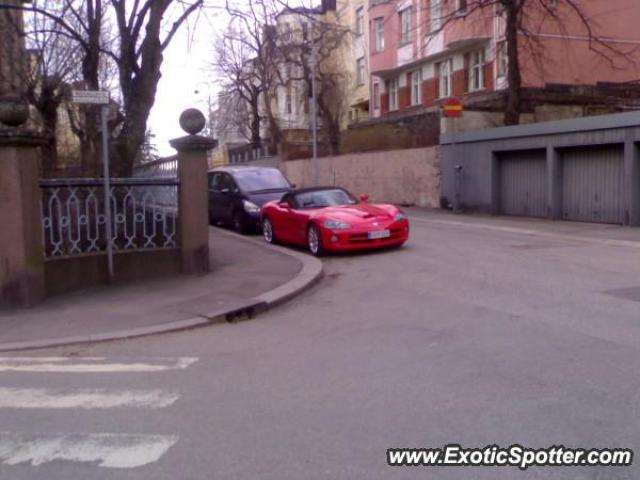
(359, 212)
(262, 198)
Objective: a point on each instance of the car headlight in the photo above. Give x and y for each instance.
(250, 207)
(336, 224)
(400, 216)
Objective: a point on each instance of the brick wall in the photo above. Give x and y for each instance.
(430, 92)
(404, 97)
(459, 83)
(384, 103)
(402, 177)
(488, 77)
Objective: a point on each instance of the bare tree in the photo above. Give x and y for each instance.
(254, 33)
(231, 118)
(236, 63)
(50, 66)
(143, 31)
(316, 40)
(523, 21)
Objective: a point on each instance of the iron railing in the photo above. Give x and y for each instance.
(144, 215)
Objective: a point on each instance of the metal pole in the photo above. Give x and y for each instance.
(107, 189)
(314, 120)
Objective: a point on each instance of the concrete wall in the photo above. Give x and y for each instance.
(402, 177)
(477, 152)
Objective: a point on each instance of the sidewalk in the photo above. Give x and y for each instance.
(247, 276)
(587, 232)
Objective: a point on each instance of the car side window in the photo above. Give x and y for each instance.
(291, 200)
(214, 181)
(233, 186)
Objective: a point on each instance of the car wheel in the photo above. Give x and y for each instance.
(239, 225)
(314, 241)
(267, 231)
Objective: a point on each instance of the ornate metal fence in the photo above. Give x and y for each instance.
(144, 215)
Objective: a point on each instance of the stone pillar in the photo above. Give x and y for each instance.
(21, 251)
(193, 197)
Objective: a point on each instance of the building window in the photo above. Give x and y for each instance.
(287, 101)
(288, 96)
(436, 15)
(392, 88)
(503, 62)
(476, 70)
(360, 21)
(286, 32)
(416, 87)
(446, 78)
(405, 26)
(360, 71)
(305, 31)
(376, 96)
(379, 34)
(461, 7)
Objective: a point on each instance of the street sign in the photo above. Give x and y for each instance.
(92, 97)
(452, 108)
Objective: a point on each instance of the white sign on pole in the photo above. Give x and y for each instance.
(93, 97)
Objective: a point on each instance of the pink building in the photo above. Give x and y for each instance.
(423, 51)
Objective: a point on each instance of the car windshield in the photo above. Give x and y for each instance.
(260, 179)
(324, 198)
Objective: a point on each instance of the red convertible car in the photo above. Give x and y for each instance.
(330, 219)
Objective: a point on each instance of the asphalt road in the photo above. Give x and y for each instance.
(466, 335)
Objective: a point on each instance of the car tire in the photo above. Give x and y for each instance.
(239, 224)
(267, 231)
(314, 241)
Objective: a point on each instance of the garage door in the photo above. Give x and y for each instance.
(522, 183)
(592, 181)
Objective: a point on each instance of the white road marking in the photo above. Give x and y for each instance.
(91, 364)
(106, 449)
(84, 398)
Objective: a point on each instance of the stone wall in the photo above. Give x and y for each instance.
(403, 177)
(413, 128)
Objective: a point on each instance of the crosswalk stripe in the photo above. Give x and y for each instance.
(91, 365)
(84, 398)
(104, 449)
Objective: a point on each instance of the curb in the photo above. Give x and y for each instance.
(310, 273)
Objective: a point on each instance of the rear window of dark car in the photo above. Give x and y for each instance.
(261, 179)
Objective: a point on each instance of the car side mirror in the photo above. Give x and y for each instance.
(364, 198)
(225, 191)
(284, 205)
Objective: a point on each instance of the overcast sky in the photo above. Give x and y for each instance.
(185, 69)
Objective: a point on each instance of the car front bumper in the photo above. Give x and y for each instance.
(335, 240)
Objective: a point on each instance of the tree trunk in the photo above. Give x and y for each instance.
(255, 122)
(514, 104)
(275, 134)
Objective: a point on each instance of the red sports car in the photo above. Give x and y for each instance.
(330, 219)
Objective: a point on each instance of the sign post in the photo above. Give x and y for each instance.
(99, 97)
(452, 108)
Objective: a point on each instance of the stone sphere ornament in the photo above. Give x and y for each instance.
(14, 111)
(192, 121)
